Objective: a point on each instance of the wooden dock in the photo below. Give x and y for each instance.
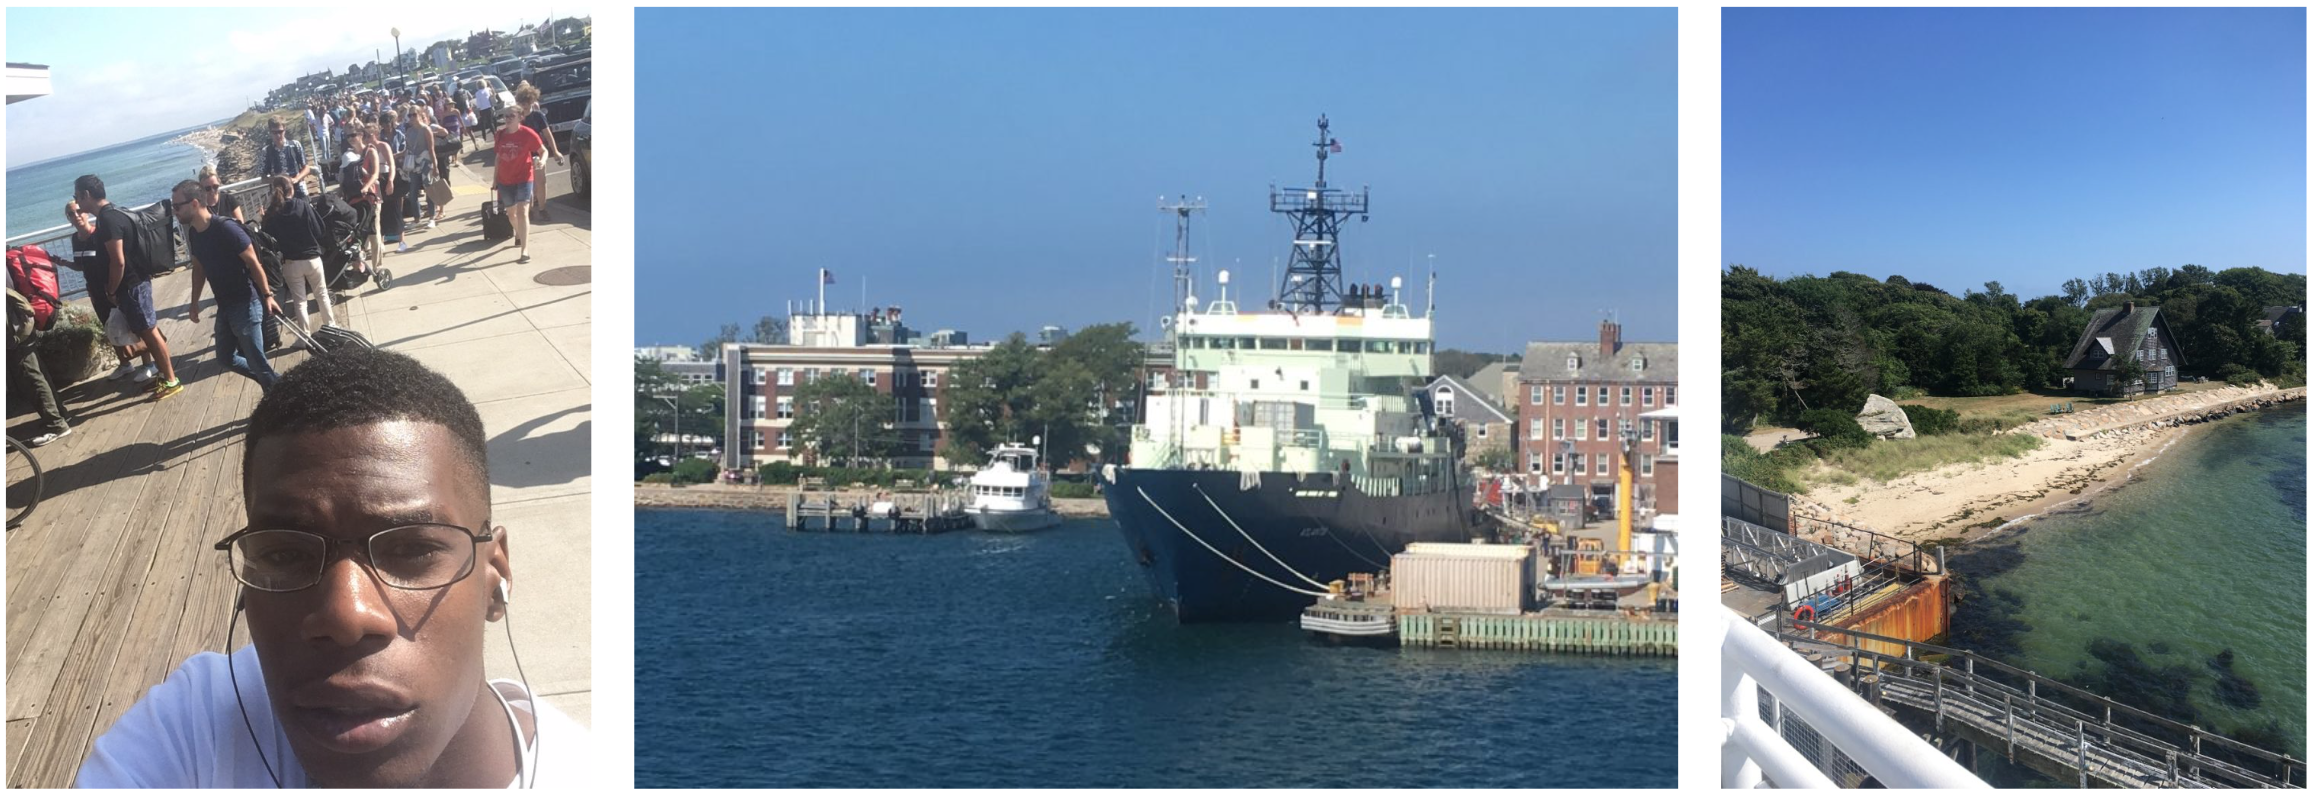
(1604, 632)
(925, 513)
(112, 582)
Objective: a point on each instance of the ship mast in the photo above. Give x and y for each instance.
(1313, 278)
(1181, 259)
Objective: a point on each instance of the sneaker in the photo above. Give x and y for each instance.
(401, 248)
(43, 439)
(522, 260)
(146, 373)
(429, 224)
(123, 371)
(167, 389)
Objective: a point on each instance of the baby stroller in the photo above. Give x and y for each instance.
(344, 249)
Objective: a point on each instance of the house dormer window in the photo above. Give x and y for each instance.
(1638, 363)
(1574, 362)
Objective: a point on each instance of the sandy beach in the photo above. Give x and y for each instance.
(209, 140)
(2080, 455)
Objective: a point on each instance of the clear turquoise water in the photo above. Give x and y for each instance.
(770, 658)
(2136, 596)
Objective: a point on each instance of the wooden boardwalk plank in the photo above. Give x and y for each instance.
(112, 583)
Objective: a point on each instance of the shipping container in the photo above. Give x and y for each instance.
(1453, 577)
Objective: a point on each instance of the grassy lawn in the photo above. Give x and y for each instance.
(1887, 460)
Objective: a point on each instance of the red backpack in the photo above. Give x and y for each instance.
(33, 274)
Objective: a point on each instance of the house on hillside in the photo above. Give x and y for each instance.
(1484, 421)
(2116, 336)
(2279, 316)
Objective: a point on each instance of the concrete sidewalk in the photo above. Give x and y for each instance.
(111, 581)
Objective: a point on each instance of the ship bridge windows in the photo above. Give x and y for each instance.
(1319, 345)
(1272, 343)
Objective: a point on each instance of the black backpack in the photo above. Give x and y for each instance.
(150, 244)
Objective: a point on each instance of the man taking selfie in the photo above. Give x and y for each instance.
(369, 570)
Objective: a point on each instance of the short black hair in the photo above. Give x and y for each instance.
(363, 386)
(88, 183)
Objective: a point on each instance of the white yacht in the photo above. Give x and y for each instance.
(1011, 494)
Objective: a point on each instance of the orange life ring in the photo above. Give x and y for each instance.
(1805, 612)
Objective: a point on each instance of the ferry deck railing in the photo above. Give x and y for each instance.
(2056, 715)
(1808, 703)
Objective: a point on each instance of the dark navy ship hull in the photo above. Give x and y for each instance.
(1315, 526)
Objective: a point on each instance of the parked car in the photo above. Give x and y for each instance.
(510, 69)
(565, 90)
(582, 155)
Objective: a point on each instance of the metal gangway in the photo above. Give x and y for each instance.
(1762, 558)
(2062, 731)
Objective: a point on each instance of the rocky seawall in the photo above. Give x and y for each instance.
(2162, 412)
(773, 498)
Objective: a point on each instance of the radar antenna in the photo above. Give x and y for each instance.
(1313, 277)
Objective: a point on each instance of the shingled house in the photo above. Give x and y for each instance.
(1484, 421)
(2117, 335)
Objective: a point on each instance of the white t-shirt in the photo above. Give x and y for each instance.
(187, 733)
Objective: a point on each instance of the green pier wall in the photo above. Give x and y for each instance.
(1609, 635)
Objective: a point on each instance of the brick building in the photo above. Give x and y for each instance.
(760, 381)
(1575, 398)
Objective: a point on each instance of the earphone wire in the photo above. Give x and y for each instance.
(537, 721)
(235, 678)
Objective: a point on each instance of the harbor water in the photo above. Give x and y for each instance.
(2180, 591)
(135, 173)
(772, 658)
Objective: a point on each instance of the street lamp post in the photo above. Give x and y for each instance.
(677, 410)
(397, 47)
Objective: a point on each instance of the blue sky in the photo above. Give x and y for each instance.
(993, 171)
(2026, 146)
(120, 74)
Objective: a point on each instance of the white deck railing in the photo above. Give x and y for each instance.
(1754, 754)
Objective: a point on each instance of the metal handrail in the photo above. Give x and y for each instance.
(2036, 682)
(1752, 660)
(244, 191)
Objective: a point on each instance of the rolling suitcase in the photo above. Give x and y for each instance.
(495, 225)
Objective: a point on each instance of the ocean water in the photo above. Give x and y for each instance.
(135, 173)
(770, 658)
(2181, 592)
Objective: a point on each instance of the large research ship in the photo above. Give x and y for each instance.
(1286, 449)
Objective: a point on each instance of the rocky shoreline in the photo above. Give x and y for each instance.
(232, 149)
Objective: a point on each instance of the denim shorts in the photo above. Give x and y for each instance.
(137, 301)
(510, 195)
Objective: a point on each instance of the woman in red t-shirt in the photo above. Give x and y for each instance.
(516, 144)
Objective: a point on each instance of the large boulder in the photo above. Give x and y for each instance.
(1883, 418)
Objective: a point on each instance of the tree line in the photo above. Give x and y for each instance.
(1813, 342)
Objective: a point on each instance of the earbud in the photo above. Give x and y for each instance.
(505, 593)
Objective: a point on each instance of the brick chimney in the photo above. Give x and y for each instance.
(1610, 338)
(2127, 307)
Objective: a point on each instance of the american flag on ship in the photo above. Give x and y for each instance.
(827, 276)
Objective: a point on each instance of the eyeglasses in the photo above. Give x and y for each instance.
(414, 557)
(176, 204)
(211, 188)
